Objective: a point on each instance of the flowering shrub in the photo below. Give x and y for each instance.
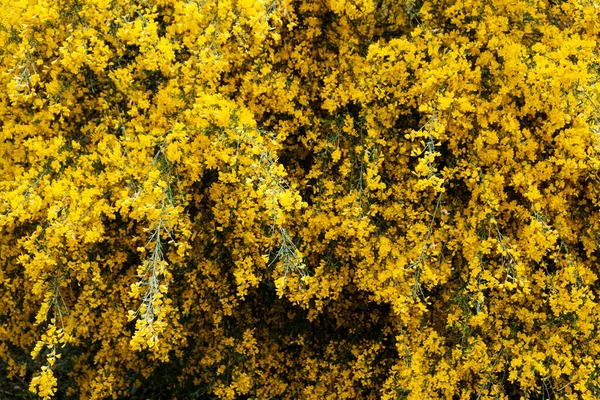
(299, 199)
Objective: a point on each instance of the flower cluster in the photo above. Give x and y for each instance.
(298, 199)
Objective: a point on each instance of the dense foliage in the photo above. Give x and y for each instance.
(299, 199)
